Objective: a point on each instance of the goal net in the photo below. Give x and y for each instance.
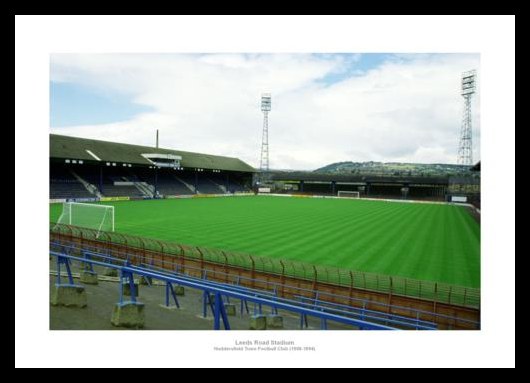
(92, 216)
(349, 194)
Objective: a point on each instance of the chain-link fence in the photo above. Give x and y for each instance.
(395, 285)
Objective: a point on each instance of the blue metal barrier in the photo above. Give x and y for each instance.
(220, 290)
(361, 304)
(364, 314)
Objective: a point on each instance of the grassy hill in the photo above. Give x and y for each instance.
(394, 169)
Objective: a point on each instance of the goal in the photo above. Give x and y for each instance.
(92, 216)
(349, 194)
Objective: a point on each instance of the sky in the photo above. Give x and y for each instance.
(326, 107)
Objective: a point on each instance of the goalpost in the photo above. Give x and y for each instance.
(348, 194)
(92, 216)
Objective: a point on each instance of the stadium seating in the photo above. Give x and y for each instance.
(207, 186)
(234, 187)
(168, 184)
(64, 185)
(94, 168)
(68, 190)
(230, 184)
(110, 190)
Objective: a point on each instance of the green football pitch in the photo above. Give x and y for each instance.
(422, 241)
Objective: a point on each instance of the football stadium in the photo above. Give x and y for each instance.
(158, 238)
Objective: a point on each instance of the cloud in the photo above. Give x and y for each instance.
(407, 109)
